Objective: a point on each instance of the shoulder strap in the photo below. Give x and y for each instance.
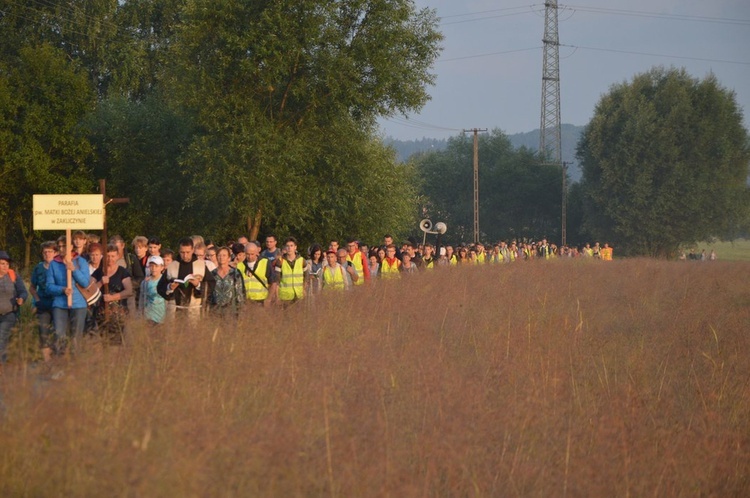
(12, 275)
(252, 272)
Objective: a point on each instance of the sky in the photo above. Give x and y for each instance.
(489, 74)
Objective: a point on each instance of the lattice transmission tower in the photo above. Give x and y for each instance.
(550, 142)
(549, 136)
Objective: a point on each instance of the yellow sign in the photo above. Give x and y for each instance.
(74, 212)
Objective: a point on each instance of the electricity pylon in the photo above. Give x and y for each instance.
(549, 131)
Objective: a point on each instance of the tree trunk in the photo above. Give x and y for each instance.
(253, 224)
(27, 238)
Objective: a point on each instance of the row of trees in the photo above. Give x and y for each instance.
(665, 163)
(518, 195)
(225, 116)
(214, 116)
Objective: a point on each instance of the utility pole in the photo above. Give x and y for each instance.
(549, 132)
(476, 181)
(107, 200)
(564, 203)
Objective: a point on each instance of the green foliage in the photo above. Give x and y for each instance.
(43, 97)
(665, 162)
(278, 114)
(214, 116)
(518, 197)
(138, 146)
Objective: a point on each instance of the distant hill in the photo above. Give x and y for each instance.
(569, 135)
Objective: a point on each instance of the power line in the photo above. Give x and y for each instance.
(537, 8)
(486, 18)
(489, 54)
(421, 125)
(702, 59)
(657, 15)
(576, 47)
(489, 11)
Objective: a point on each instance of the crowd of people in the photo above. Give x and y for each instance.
(94, 288)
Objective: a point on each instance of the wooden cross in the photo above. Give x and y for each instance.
(107, 200)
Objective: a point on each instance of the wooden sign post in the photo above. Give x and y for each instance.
(68, 212)
(107, 200)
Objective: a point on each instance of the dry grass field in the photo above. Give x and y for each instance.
(579, 378)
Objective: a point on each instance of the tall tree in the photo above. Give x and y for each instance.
(665, 162)
(273, 83)
(43, 97)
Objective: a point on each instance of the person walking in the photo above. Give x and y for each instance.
(257, 274)
(117, 288)
(358, 261)
(12, 295)
(228, 293)
(290, 274)
(154, 306)
(187, 282)
(69, 321)
(335, 277)
(390, 267)
(43, 301)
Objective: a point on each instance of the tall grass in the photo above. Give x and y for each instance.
(548, 378)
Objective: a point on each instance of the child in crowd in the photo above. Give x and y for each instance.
(154, 306)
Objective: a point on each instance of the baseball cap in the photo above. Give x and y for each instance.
(157, 260)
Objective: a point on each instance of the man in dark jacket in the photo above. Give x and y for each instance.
(187, 281)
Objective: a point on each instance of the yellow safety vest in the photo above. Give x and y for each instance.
(357, 263)
(291, 285)
(333, 279)
(429, 265)
(254, 290)
(481, 258)
(388, 271)
(454, 259)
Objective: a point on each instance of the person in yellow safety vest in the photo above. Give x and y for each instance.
(496, 256)
(336, 276)
(257, 273)
(358, 261)
(606, 252)
(513, 250)
(390, 267)
(545, 251)
(350, 274)
(528, 252)
(481, 254)
(290, 275)
(588, 252)
(451, 255)
(428, 260)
